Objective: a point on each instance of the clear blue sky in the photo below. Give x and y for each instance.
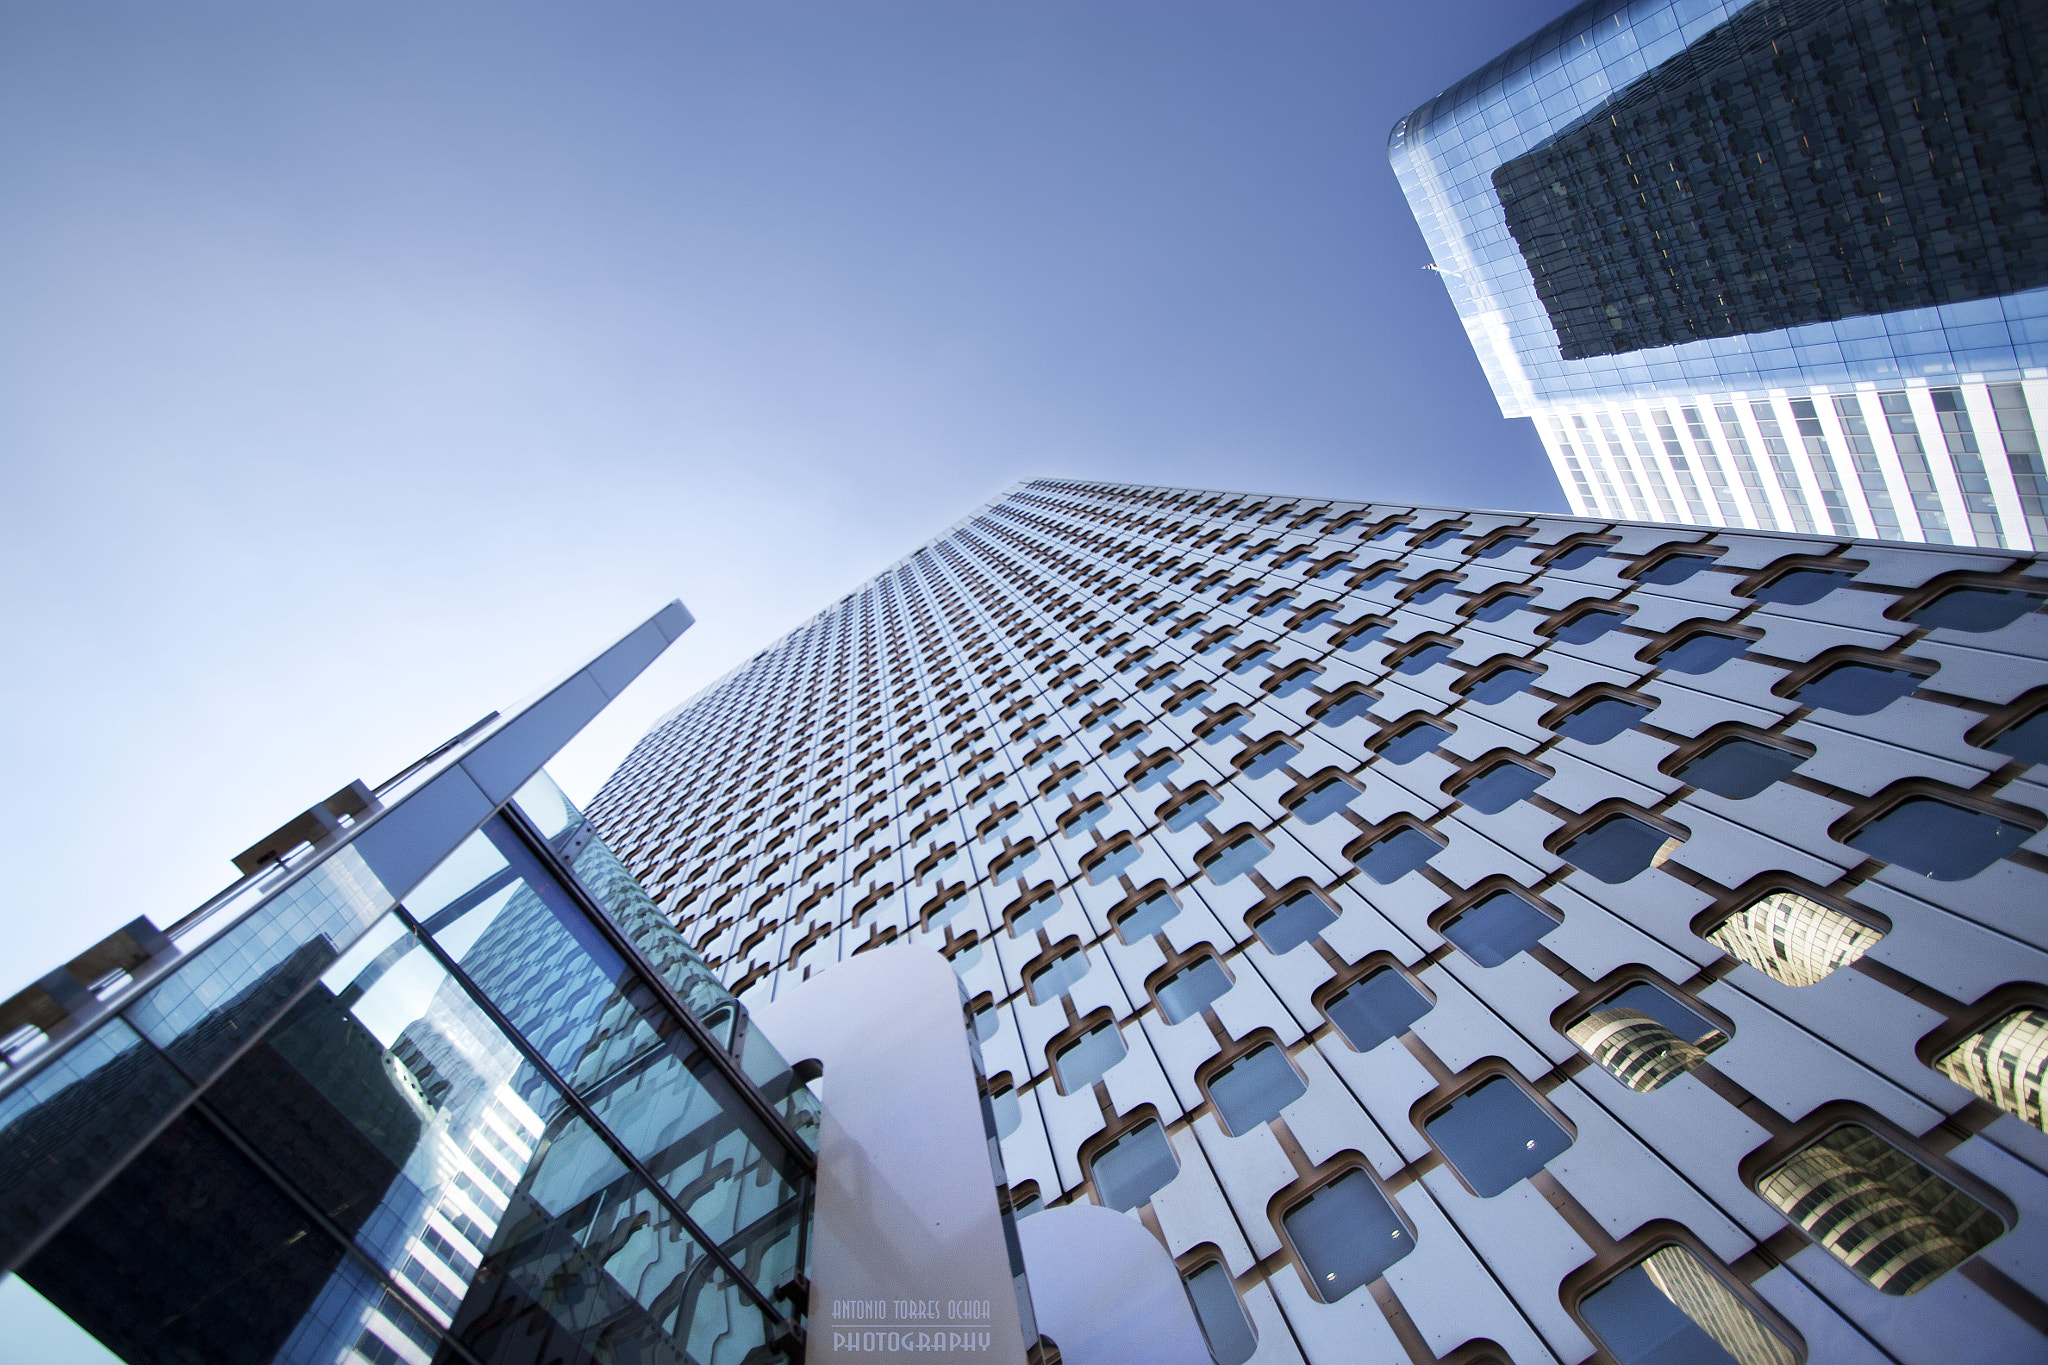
(364, 365)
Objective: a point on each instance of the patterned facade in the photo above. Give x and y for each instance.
(1279, 845)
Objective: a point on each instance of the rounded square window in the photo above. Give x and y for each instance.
(1975, 609)
(1618, 849)
(1645, 1037)
(1702, 652)
(1857, 689)
(1254, 1089)
(1588, 626)
(1087, 1058)
(1801, 587)
(1497, 686)
(1497, 928)
(1601, 719)
(1191, 990)
(1225, 1326)
(1939, 839)
(1674, 569)
(1739, 768)
(1129, 1171)
(1402, 850)
(2006, 1062)
(1147, 917)
(1495, 1134)
(1500, 786)
(1411, 742)
(1791, 938)
(1296, 921)
(1346, 1234)
(1670, 1308)
(1379, 1006)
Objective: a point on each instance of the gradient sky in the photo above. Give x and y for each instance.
(365, 367)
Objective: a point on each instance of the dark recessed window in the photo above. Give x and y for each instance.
(1702, 653)
(1237, 858)
(1083, 820)
(1412, 743)
(1638, 1318)
(1644, 1037)
(1221, 1313)
(1347, 1234)
(1296, 922)
(1433, 592)
(1675, 569)
(1031, 916)
(1380, 577)
(1440, 538)
(2026, 741)
(1083, 1062)
(1254, 1089)
(1253, 659)
(1601, 720)
(1801, 586)
(1425, 657)
(1502, 607)
(1058, 976)
(1739, 768)
(1348, 710)
(1135, 1167)
(1856, 689)
(1497, 928)
(1004, 1110)
(1588, 626)
(1325, 801)
(1294, 682)
(1975, 609)
(1147, 917)
(1501, 684)
(1946, 842)
(1578, 557)
(1191, 990)
(1194, 698)
(1496, 549)
(1271, 760)
(1226, 727)
(1616, 849)
(1192, 810)
(1112, 864)
(1391, 858)
(1381, 1006)
(987, 1023)
(1382, 535)
(1500, 786)
(1365, 635)
(1496, 1135)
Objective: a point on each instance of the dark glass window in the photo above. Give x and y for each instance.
(1221, 1313)
(1407, 745)
(1083, 1062)
(1192, 810)
(1298, 920)
(1502, 607)
(1500, 786)
(1616, 849)
(1226, 727)
(1112, 863)
(1856, 689)
(1674, 569)
(1147, 917)
(1433, 592)
(1440, 538)
(1381, 576)
(1272, 759)
(1347, 710)
(1946, 842)
(1500, 547)
(1191, 990)
(1801, 586)
(1702, 653)
(1058, 976)
(1578, 557)
(1601, 720)
(1497, 928)
(1359, 639)
(1739, 768)
(1326, 800)
(1391, 858)
(1254, 1089)
(1135, 1167)
(1430, 654)
(2026, 740)
(1638, 1317)
(1294, 682)
(1588, 626)
(1495, 1135)
(1237, 858)
(1501, 684)
(1253, 659)
(1975, 609)
(1347, 1234)
(1375, 1008)
(1644, 1037)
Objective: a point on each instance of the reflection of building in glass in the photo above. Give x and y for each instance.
(1796, 940)
(1636, 1048)
(2006, 1062)
(1700, 1294)
(1771, 264)
(1884, 1215)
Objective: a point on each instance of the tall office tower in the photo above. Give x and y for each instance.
(1779, 264)
(1456, 936)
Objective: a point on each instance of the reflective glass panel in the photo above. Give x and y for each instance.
(1299, 919)
(1498, 927)
(1255, 1088)
(1347, 1234)
(1496, 1134)
(1135, 1167)
(1191, 990)
(1376, 1008)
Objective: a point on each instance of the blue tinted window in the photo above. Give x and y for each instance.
(1295, 923)
(1135, 1167)
(1082, 1062)
(1031, 916)
(1640, 1324)
(1086, 819)
(2026, 741)
(1336, 566)
(1347, 710)
(1801, 586)
(1112, 864)
(1578, 557)
(1191, 990)
(1190, 701)
(1381, 1006)
(1739, 768)
(1237, 859)
(1502, 546)
(1500, 786)
(1938, 840)
(1429, 654)
(1325, 801)
(1588, 626)
(1497, 928)
(1253, 659)
(1702, 653)
(1155, 774)
(1394, 857)
(1380, 577)
(1975, 609)
(1359, 639)
(1676, 569)
(1496, 1135)
(1440, 538)
(1857, 689)
(1347, 1235)
(1226, 728)
(1501, 684)
(1057, 977)
(1601, 720)
(1504, 606)
(1273, 759)
(1616, 849)
(1412, 743)
(1147, 918)
(1221, 1313)
(1192, 810)
(1294, 682)
(1254, 1089)
(1315, 618)
(1433, 592)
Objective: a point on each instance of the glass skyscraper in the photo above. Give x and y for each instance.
(1779, 264)
(1455, 936)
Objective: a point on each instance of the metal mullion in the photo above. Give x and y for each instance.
(727, 1064)
(625, 1155)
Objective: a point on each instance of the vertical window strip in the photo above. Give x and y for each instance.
(1780, 455)
(1738, 451)
(1710, 464)
(1681, 467)
(1869, 473)
(1825, 477)
(2023, 454)
(1961, 439)
(1658, 488)
(1619, 454)
(1587, 500)
(1905, 433)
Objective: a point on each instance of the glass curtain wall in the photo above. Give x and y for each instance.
(513, 1118)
